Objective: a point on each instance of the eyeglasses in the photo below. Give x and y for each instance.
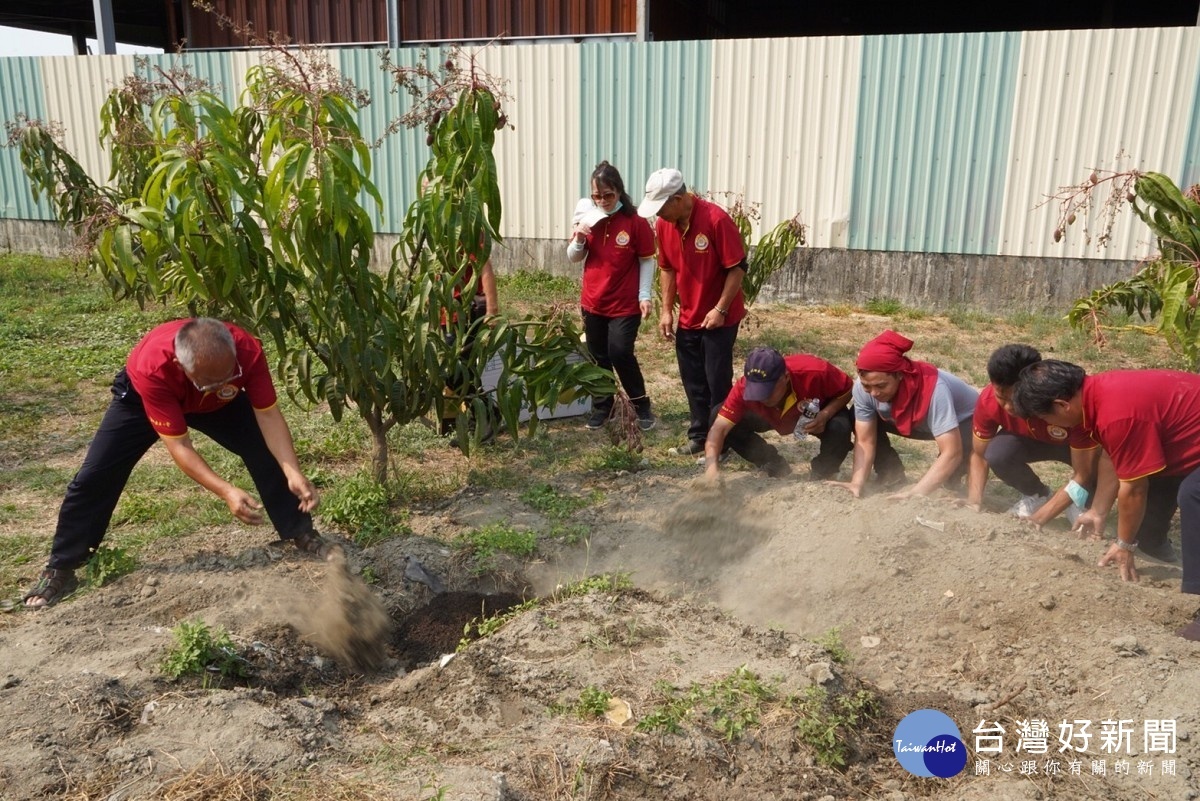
(214, 387)
(599, 197)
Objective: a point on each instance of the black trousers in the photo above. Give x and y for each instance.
(966, 434)
(1010, 455)
(124, 437)
(1164, 494)
(610, 342)
(835, 441)
(705, 358)
(1188, 499)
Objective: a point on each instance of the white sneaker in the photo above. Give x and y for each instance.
(1028, 505)
(1073, 513)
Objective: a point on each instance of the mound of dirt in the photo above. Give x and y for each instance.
(702, 682)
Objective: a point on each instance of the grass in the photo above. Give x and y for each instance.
(65, 337)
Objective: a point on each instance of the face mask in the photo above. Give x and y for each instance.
(616, 208)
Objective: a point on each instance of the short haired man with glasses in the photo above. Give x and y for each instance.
(204, 374)
(702, 261)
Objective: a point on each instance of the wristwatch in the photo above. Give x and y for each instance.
(1126, 546)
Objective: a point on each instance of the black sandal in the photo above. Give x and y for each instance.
(52, 586)
(310, 542)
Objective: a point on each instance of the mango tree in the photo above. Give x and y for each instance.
(1163, 290)
(255, 214)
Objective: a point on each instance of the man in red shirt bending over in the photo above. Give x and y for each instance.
(211, 376)
(797, 394)
(1007, 443)
(1148, 422)
(703, 260)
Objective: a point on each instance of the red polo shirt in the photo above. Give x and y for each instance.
(611, 271)
(990, 417)
(811, 377)
(168, 394)
(1148, 421)
(701, 256)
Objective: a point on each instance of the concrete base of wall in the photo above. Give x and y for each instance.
(929, 281)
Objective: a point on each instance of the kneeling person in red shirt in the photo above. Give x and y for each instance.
(772, 395)
(1148, 422)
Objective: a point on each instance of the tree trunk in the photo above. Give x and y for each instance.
(379, 459)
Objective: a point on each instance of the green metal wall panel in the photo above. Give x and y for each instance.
(933, 141)
(401, 155)
(645, 106)
(20, 94)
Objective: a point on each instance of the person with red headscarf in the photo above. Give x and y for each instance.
(896, 394)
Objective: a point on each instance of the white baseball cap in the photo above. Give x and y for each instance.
(660, 186)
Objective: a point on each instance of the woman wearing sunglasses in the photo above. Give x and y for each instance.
(616, 247)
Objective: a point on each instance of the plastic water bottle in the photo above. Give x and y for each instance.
(808, 413)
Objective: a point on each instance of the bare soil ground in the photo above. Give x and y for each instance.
(938, 607)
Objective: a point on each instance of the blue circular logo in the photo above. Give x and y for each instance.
(927, 743)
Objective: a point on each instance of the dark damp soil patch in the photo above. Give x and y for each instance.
(436, 628)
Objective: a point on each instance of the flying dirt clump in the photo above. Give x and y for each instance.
(349, 624)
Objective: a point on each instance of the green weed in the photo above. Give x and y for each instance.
(554, 503)
(107, 564)
(536, 287)
(616, 458)
(483, 545)
(198, 648)
(884, 307)
(831, 641)
(358, 505)
(829, 724)
(726, 707)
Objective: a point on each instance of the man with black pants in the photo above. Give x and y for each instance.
(798, 394)
(702, 260)
(1148, 422)
(203, 374)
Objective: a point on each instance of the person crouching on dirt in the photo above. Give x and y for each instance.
(1007, 444)
(773, 393)
(1148, 422)
(204, 374)
(915, 400)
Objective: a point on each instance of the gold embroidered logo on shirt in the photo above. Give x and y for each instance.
(622, 239)
(701, 242)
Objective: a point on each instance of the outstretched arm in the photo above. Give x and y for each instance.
(279, 441)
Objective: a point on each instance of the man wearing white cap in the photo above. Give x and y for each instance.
(703, 260)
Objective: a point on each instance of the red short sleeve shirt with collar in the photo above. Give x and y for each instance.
(811, 377)
(1148, 421)
(700, 256)
(168, 394)
(990, 418)
(612, 269)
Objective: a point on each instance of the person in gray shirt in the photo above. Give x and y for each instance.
(913, 399)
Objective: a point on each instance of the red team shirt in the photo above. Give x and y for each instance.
(1147, 421)
(611, 270)
(990, 417)
(700, 257)
(811, 377)
(168, 394)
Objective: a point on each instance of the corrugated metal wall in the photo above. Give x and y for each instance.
(350, 21)
(784, 131)
(1082, 98)
(442, 20)
(938, 143)
(22, 92)
(314, 21)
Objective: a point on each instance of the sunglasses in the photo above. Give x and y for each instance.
(214, 387)
(599, 197)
